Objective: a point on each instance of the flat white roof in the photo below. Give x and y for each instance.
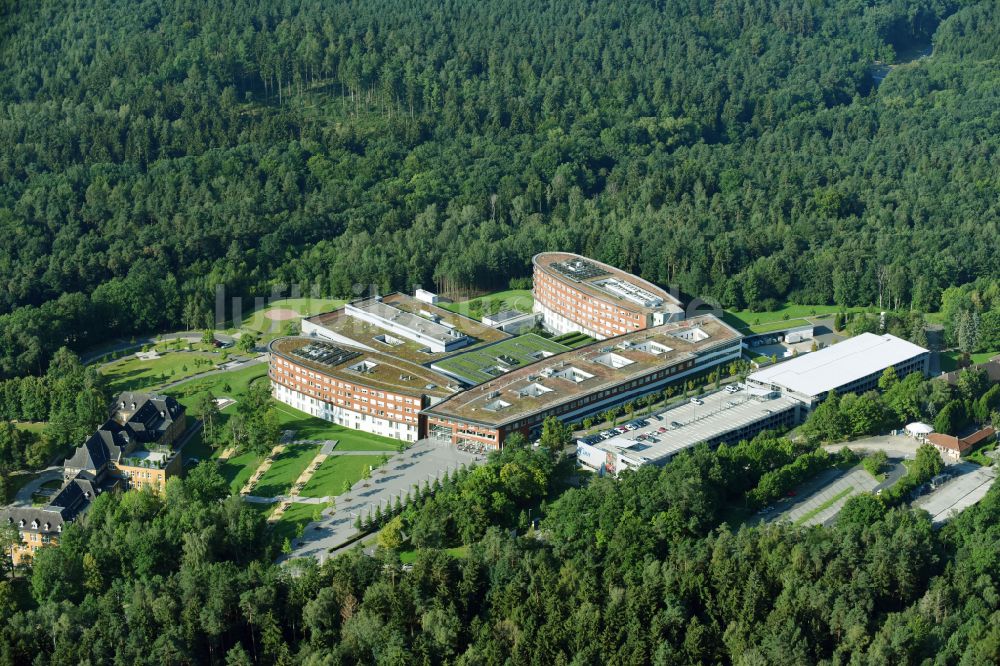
(820, 372)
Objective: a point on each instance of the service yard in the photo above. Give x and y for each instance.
(959, 493)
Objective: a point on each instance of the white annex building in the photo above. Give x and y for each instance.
(851, 366)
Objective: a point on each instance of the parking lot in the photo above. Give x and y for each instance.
(733, 412)
(968, 485)
(818, 501)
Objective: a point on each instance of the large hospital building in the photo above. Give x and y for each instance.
(583, 381)
(573, 293)
(404, 367)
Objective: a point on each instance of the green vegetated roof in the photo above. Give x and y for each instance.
(483, 364)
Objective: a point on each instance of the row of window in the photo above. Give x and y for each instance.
(349, 401)
(571, 300)
(324, 380)
(601, 395)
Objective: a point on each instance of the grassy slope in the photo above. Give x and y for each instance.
(311, 427)
(287, 467)
(238, 469)
(134, 374)
(329, 478)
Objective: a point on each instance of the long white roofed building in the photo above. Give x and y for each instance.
(851, 366)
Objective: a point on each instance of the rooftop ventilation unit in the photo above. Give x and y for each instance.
(630, 292)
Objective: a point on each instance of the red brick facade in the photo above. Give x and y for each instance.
(353, 396)
(602, 316)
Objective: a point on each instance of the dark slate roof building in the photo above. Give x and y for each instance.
(147, 416)
(72, 499)
(104, 446)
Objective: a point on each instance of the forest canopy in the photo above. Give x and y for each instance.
(742, 151)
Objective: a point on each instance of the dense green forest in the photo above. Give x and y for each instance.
(738, 150)
(627, 571)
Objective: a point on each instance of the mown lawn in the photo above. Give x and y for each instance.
(511, 299)
(134, 374)
(329, 478)
(949, 359)
(778, 325)
(307, 426)
(295, 518)
(230, 384)
(746, 319)
(198, 448)
(287, 467)
(238, 469)
(37, 427)
(306, 307)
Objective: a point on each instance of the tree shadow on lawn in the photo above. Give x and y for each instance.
(277, 480)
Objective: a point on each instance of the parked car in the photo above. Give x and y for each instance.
(675, 424)
(662, 429)
(732, 388)
(697, 401)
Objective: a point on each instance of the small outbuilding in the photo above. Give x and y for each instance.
(918, 430)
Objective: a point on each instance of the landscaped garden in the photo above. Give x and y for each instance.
(285, 469)
(238, 469)
(328, 481)
(293, 521)
(230, 384)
